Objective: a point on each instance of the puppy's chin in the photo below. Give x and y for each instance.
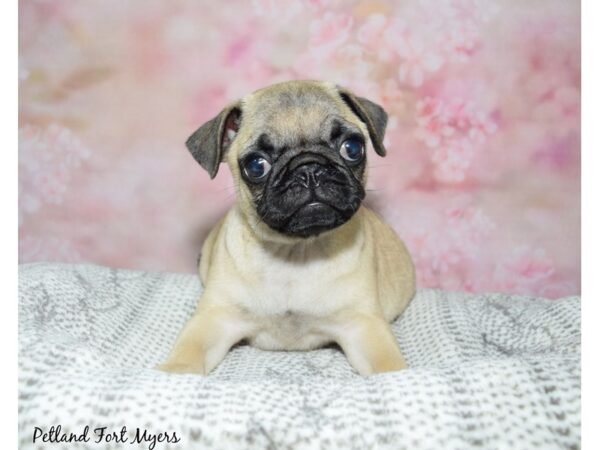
(312, 219)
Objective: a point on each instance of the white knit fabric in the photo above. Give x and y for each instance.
(491, 371)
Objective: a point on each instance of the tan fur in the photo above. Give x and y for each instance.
(286, 293)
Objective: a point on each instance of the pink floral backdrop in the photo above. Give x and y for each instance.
(482, 178)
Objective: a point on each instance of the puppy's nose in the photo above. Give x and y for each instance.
(310, 175)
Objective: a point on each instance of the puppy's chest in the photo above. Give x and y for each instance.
(289, 307)
(290, 298)
(292, 291)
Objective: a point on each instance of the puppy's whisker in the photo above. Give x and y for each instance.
(227, 188)
(258, 229)
(377, 166)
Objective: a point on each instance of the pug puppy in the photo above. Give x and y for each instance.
(298, 262)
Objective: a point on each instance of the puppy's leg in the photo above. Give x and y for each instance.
(369, 344)
(206, 339)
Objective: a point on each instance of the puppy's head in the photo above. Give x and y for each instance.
(297, 151)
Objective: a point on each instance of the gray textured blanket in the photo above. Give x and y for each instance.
(486, 371)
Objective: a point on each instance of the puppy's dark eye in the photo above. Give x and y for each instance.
(352, 150)
(256, 166)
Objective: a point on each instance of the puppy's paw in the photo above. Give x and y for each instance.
(181, 368)
(389, 365)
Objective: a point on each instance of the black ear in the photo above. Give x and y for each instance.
(209, 142)
(373, 115)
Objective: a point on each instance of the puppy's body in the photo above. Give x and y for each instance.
(297, 262)
(290, 294)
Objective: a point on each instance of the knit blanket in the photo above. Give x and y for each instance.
(485, 371)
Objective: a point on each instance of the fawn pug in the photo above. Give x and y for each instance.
(298, 262)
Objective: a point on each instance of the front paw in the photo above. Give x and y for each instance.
(172, 367)
(389, 364)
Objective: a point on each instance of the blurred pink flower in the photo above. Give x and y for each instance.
(460, 40)
(452, 160)
(524, 270)
(358, 68)
(557, 152)
(416, 60)
(322, 4)
(371, 36)
(47, 248)
(445, 244)
(392, 95)
(556, 289)
(529, 263)
(206, 103)
(350, 57)
(455, 131)
(238, 49)
(329, 32)
(38, 13)
(47, 160)
(480, 11)
(253, 76)
(276, 9)
(372, 30)
(148, 50)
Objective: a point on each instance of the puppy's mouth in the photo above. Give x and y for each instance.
(312, 219)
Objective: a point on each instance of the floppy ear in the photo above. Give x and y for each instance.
(209, 142)
(373, 115)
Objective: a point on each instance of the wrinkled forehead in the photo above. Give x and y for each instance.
(289, 116)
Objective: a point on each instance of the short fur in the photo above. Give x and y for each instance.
(286, 291)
